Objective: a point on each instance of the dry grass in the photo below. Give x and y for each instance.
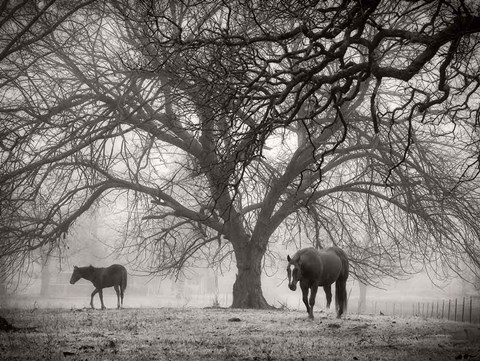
(227, 334)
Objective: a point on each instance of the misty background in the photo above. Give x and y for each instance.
(95, 238)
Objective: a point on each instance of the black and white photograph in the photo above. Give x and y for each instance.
(246, 180)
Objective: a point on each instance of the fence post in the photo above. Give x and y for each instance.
(443, 308)
(463, 310)
(448, 313)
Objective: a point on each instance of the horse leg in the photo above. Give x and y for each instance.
(121, 294)
(91, 298)
(328, 294)
(117, 291)
(313, 294)
(305, 298)
(100, 293)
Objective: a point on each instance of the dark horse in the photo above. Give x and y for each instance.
(320, 268)
(115, 275)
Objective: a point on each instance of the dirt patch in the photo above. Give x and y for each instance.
(226, 334)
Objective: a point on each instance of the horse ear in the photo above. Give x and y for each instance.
(75, 267)
(289, 259)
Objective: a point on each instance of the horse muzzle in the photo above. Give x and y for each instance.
(292, 286)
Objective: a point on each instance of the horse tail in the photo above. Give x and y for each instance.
(341, 299)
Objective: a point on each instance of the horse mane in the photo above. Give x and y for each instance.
(300, 252)
(86, 270)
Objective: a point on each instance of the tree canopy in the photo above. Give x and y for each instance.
(229, 126)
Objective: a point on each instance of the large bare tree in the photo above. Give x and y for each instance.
(221, 122)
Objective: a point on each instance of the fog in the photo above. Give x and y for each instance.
(200, 290)
(90, 243)
(203, 287)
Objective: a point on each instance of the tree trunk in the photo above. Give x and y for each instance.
(45, 278)
(247, 289)
(362, 299)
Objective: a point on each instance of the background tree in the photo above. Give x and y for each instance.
(220, 122)
(24, 23)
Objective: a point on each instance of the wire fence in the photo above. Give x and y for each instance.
(464, 309)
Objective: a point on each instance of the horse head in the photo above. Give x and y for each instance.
(75, 275)
(293, 275)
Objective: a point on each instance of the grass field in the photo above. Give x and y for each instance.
(229, 334)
